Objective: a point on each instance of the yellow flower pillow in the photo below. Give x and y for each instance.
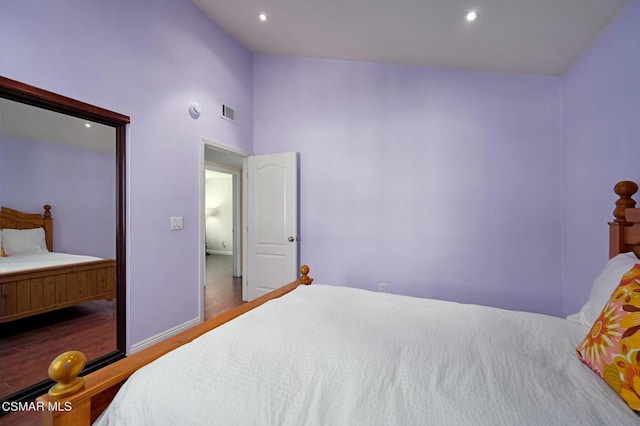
(612, 347)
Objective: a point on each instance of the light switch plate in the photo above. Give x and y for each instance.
(176, 223)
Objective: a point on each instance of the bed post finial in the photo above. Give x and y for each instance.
(64, 370)
(625, 190)
(304, 279)
(48, 227)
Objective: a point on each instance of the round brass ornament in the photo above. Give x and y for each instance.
(64, 369)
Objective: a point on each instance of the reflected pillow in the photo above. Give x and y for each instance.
(612, 346)
(602, 288)
(23, 241)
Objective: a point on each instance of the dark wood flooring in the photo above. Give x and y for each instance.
(28, 346)
(222, 290)
(22, 418)
(32, 343)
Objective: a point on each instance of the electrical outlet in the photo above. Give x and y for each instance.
(383, 287)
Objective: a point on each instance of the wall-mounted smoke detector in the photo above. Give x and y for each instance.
(229, 113)
(195, 110)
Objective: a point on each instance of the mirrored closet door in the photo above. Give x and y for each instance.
(62, 267)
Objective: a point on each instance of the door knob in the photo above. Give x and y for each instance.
(291, 239)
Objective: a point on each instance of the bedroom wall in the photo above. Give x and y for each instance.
(441, 183)
(452, 174)
(80, 186)
(601, 95)
(149, 60)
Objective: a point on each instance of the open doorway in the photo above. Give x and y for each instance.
(222, 288)
(221, 228)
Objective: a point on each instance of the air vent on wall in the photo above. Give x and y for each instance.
(229, 113)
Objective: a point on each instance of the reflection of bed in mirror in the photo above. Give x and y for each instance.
(37, 281)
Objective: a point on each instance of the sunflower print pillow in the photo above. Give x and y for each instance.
(612, 347)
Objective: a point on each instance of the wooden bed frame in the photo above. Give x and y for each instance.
(27, 293)
(101, 386)
(624, 231)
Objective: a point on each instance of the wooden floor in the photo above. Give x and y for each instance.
(222, 291)
(28, 346)
(32, 343)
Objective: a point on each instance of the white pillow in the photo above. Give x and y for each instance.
(23, 241)
(603, 287)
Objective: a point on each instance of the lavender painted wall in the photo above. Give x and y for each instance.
(440, 183)
(149, 60)
(78, 184)
(601, 95)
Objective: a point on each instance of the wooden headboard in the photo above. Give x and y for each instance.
(624, 231)
(14, 219)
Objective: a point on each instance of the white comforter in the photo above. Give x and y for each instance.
(25, 262)
(326, 355)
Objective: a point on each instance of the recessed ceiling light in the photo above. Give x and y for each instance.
(472, 15)
(263, 17)
(87, 125)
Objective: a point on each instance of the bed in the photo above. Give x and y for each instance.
(330, 355)
(35, 283)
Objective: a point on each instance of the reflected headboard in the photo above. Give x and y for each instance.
(624, 231)
(14, 219)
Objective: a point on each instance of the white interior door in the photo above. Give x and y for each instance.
(271, 225)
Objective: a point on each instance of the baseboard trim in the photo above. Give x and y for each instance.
(226, 253)
(146, 343)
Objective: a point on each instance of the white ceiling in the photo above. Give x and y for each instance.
(522, 36)
(31, 123)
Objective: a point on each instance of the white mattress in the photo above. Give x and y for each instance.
(326, 355)
(25, 262)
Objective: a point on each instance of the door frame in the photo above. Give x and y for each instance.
(209, 144)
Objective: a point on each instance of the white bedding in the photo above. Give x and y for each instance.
(25, 262)
(326, 355)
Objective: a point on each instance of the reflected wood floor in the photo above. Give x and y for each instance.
(33, 342)
(22, 418)
(28, 345)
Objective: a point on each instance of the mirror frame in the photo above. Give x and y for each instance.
(26, 94)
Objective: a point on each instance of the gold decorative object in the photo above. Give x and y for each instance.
(64, 370)
(304, 279)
